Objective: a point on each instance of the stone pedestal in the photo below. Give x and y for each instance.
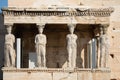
(55, 74)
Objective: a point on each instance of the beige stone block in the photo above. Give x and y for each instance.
(14, 75)
(40, 76)
(84, 76)
(101, 76)
(27, 76)
(64, 76)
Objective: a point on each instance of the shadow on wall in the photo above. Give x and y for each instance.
(2, 37)
(115, 79)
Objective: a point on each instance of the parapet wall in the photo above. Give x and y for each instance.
(56, 74)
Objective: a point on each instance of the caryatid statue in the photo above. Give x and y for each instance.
(104, 46)
(40, 41)
(10, 55)
(72, 46)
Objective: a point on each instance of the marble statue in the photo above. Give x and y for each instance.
(71, 47)
(40, 41)
(10, 55)
(104, 49)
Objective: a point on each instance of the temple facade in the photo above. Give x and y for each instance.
(59, 40)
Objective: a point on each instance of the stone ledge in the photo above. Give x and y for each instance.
(56, 74)
(70, 70)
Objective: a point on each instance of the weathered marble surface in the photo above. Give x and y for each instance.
(10, 54)
(72, 46)
(56, 74)
(40, 41)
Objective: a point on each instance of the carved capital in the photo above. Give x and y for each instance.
(104, 25)
(40, 28)
(71, 25)
(9, 27)
(42, 25)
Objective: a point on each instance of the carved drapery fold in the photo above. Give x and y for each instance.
(104, 46)
(40, 45)
(9, 51)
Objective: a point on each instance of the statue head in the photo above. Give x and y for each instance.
(40, 28)
(96, 30)
(71, 28)
(103, 28)
(9, 29)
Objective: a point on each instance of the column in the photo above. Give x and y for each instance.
(98, 50)
(40, 45)
(71, 46)
(97, 46)
(89, 54)
(18, 64)
(9, 53)
(104, 45)
(94, 54)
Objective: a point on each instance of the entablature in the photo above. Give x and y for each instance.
(54, 14)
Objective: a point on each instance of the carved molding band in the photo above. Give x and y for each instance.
(65, 11)
(55, 70)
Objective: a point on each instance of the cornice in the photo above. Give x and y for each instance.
(59, 11)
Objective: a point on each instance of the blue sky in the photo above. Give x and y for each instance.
(3, 3)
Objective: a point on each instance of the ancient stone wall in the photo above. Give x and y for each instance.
(2, 34)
